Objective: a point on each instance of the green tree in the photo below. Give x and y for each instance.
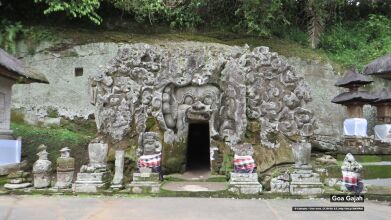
(74, 8)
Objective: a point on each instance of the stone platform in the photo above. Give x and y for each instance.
(145, 183)
(194, 186)
(305, 182)
(91, 182)
(244, 183)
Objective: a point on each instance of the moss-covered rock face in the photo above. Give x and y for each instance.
(267, 158)
(174, 158)
(54, 139)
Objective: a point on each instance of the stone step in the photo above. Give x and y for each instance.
(190, 186)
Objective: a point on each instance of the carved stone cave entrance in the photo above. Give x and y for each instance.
(198, 147)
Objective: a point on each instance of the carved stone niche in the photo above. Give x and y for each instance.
(190, 104)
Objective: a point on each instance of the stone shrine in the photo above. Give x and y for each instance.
(65, 169)
(148, 176)
(244, 179)
(94, 175)
(303, 180)
(200, 101)
(42, 169)
(351, 175)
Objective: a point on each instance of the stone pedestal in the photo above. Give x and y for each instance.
(18, 180)
(65, 169)
(42, 169)
(305, 182)
(91, 182)
(244, 183)
(145, 183)
(280, 184)
(94, 176)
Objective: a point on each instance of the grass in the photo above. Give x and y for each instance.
(79, 36)
(54, 139)
(367, 158)
(369, 171)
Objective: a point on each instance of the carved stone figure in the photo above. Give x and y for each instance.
(351, 174)
(244, 179)
(65, 169)
(42, 169)
(94, 175)
(303, 180)
(149, 159)
(177, 86)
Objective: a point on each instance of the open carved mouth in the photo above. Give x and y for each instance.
(198, 115)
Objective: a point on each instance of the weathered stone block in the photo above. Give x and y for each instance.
(145, 183)
(244, 183)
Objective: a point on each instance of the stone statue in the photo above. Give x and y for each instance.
(351, 174)
(65, 169)
(244, 179)
(149, 160)
(224, 87)
(94, 175)
(42, 169)
(303, 180)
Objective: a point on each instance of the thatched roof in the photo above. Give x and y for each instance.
(13, 68)
(351, 78)
(380, 67)
(382, 96)
(354, 97)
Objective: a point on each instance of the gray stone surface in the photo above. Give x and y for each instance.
(280, 184)
(117, 182)
(65, 169)
(101, 208)
(42, 169)
(66, 93)
(145, 183)
(8, 168)
(17, 185)
(244, 183)
(303, 180)
(94, 176)
(183, 82)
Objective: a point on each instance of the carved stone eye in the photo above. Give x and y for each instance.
(189, 100)
(208, 100)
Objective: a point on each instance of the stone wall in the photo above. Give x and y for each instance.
(69, 95)
(68, 92)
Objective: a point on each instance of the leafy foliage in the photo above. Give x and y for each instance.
(261, 16)
(74, 8)
(360, 42)
(9, 32)
(316, 22)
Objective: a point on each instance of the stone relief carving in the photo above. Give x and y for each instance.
(179, 85)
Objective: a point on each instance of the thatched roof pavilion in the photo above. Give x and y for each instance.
(380, 67)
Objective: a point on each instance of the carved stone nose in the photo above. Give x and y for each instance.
(198, 106)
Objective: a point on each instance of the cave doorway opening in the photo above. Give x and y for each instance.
(198, 147)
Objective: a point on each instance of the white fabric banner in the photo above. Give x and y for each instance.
(355, 127)
(383, 132)
(10, 151)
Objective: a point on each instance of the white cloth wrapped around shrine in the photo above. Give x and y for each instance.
(10, 151)
(355, 127)
(383, 132)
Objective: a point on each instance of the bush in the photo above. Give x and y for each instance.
(360, 42)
